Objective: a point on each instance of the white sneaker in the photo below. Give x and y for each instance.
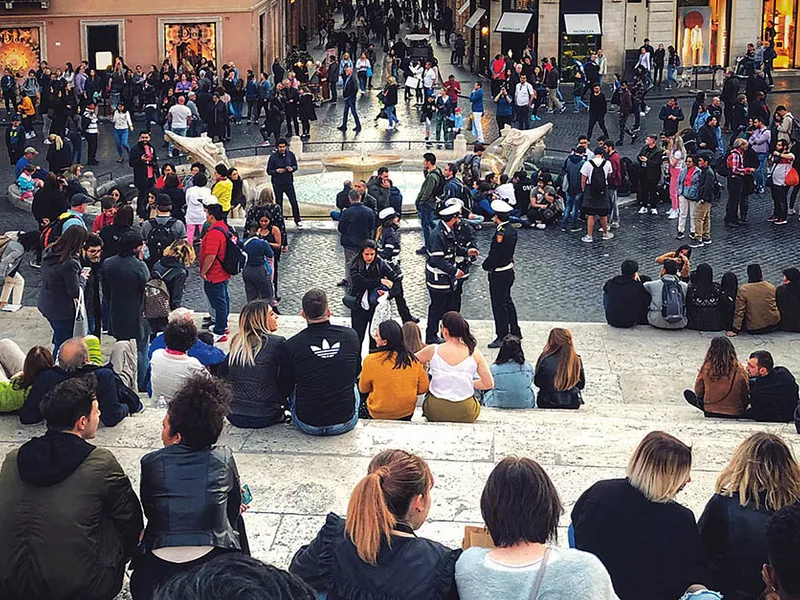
(541, 226)
(608, 236)
(642, 114)
(299, 225)
(587, 238)
(614, 225)
(646, 109)
(653, 211)
(792, 211)
(643, 210)
(673, 214)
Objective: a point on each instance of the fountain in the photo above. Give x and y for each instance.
(362, 166)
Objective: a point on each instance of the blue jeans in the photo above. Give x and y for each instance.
(114, 100)
(350, 106)
(217, 294)
(62, 331)
(760, 173)
(390, 114)
(671, 70)
(121, 141)
(77, 147)
(336, 215)
(362, 81)
(325, 430)
(571, 207)
(579, 104)
(237, 106)
(182, 131)
(427, 218)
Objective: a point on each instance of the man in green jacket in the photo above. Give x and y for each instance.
(69, 518)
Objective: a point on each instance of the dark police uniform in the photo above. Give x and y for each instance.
(440, 273)
(389, 250)
(500, 267)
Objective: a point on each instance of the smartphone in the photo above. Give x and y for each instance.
(247, 495)
(85, 271)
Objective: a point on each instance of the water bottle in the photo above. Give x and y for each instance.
(162, 402)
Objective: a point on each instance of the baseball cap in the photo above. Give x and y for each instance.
(30, 150)
(79, 198)
(210, 200)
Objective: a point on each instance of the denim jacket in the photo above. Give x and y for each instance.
(689, 189)
(513, 386)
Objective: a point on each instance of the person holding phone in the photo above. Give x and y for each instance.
(190, 490)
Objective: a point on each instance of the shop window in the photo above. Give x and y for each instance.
(780, 29)
(19, 48)
(191, 42)
(702, 32)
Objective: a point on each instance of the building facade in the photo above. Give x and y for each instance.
(704, 32)
(250, 33)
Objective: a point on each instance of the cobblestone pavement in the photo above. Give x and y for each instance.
(558, 277)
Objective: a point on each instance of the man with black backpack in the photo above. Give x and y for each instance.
(667, 299)
(160, 231)
(594, 186)
(213, 250)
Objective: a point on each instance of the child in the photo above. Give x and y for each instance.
(26, 184)
(458, 122)
(427, 115)
(513, 377)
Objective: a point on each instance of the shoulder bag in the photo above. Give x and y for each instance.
(540, 575)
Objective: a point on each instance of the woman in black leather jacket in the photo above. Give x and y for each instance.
(375, 554)
(559, 373)
(704, 301)
(190, 490)
(172, 269)
(371, 278)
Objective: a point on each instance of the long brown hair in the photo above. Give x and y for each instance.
(37, 360)
(458, 327)
(721, 357)
(568, 372)
(762, 464)
(70, 243)
(383, 497)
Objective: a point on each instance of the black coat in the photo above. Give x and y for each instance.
(773, 397)
(174, 275)
(625, 301)
(650, 549)
(704, 311)
(60, 160)
(136, 160)
(356, 224)
(367, 278)
(735, 541)
(124, 278)
(412, 568)
(60, 287)
(48, 203)
(788, 300)
(548, 396)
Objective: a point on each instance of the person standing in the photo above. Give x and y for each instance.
(671, 114)
(688, 194)
(597, 111)
(432, 188)
(215, 277)
(180, 118)
(349, 93)
(626, 109)
(614, 181)
(476, 101)
(552, 81)
(499, 265)
(736, 209)
(781, 160)
(281, 168)
(356, 225)
(650, 172)
(222, 189)
(122, 125)
(142, 158)
(524, 97)
(441, 273)
(760, 141)
(709, 192)
(91, 131)
(594, 186)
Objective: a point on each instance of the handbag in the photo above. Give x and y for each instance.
(412, 83)
(792, 177)
(81, 326)
(369, 71)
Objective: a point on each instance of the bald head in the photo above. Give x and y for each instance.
(181, 100)
(73, 354)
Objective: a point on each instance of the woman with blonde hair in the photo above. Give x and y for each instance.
(676, 152)
(559, 372)
(265, 206)
(252, 368)
(389, 98)
(172, 269)
(375, 553)
(762, 478)
(457, 368)
(648, 542)
(722, 388)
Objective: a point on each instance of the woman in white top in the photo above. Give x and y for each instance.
(677, 160)
(363, 70)
(122, 125)
(457, 368)
(197, 197)
(172, 367)
(521, 508)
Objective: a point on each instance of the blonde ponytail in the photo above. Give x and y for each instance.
(369, 520)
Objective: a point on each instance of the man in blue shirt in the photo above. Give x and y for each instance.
(476, 100)
(25, 160)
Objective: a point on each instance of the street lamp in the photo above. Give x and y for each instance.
(484, 30)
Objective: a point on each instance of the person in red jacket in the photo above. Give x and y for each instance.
(215, 278)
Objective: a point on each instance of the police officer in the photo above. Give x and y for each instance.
(465, 237)
(441, 272)
(389, 250)
(500, 267)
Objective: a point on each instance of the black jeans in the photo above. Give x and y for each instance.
(292, 123)
(737, 202)
(503, 309)
(400, 301)
(658, 74)
(280, 189)
(359, 321)
(442, 301)
(150, 572)
(91, 153)
(649, 195)
(780, 208)
(601, 120)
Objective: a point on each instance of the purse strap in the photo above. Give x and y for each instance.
(540, 576)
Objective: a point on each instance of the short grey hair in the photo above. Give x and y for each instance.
(73, 354)
(739, 142)
(181, 314)
(354, 196)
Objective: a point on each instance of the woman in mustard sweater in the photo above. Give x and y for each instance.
(392, 376)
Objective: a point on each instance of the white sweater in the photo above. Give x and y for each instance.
(122, 120)
(169, 371)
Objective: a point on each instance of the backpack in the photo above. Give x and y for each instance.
(156, 301)
(468, 170)
(53, 230)
(159, 238)
(597, 182)
(673, 302)
(4, 240)
(235, 257)
(716, 191)
(720, 165)
(794, 131)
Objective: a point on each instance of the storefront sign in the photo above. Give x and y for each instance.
(514, 22)
(582, 24)
(190, 42)
(473, 20)
(19, 48)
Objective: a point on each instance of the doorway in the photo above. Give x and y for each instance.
(102, 45)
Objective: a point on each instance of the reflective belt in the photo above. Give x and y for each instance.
(508, 267)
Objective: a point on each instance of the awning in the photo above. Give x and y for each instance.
(582, 24)
(463, 8)
(514, 22)
(476, 16)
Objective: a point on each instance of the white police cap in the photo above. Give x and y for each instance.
(450, 210)
(386, 213)
(501, 206)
